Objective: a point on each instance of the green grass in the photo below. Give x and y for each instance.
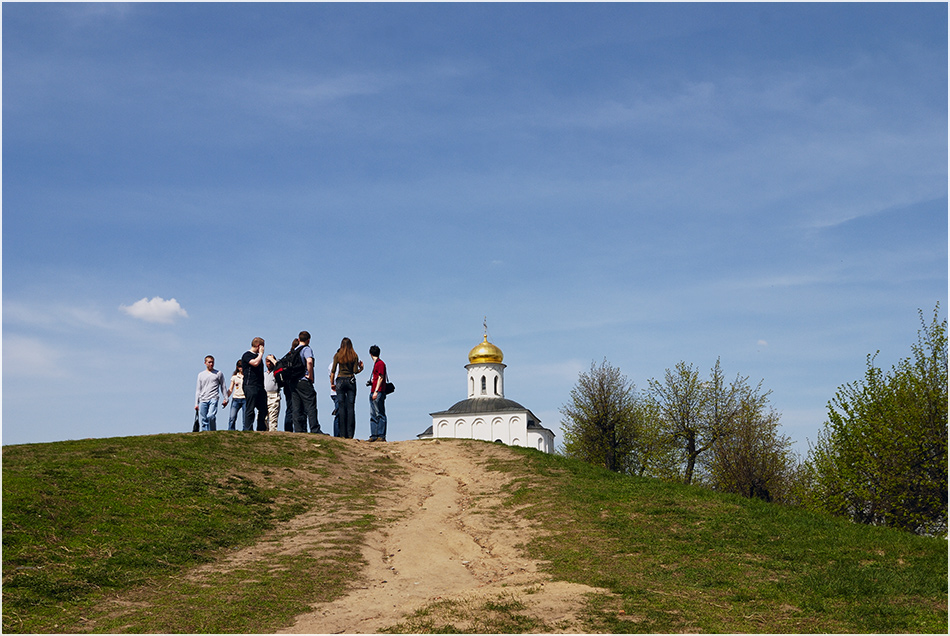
(87, 520)
(140, 534)
(680, 558)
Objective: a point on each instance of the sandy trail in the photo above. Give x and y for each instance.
(446, 542)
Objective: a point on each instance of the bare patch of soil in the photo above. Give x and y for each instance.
(449, 541)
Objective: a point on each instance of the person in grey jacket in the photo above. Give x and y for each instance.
(210, 387)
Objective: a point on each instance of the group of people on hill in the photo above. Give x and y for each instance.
(258, 380)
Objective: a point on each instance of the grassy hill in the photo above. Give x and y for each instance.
(128, 518)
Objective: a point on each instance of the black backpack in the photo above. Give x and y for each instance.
(290, 368)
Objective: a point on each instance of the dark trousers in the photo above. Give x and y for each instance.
(256, 398)
(346, 406)
(305, 407)
(336, 414)
(289, 409)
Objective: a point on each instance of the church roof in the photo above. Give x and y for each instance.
(481, 405)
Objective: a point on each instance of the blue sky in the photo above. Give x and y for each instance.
(760, 183)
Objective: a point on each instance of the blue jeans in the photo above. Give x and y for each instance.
(236, 405)
(346, 406)
(207, 413)
(377, 416)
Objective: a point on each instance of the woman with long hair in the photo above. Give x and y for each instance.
(237, 389)
(344, 383)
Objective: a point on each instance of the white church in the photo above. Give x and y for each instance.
(486, 414)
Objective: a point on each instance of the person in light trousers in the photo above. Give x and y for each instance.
(273, 393)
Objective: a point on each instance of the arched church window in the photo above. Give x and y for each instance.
(496, 385)
(484, 389)
(472, 391)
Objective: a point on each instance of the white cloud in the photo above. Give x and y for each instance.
(155, 310)
(762, 343)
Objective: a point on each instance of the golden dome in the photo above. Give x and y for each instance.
(485, 352)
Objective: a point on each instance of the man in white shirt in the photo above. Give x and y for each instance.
(210, 388)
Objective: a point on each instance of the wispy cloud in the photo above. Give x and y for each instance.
(310, 89)
(55, 315)
(156, 309)
(25, 356)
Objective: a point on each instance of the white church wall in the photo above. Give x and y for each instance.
(481, 430)
(541, 440)
(509, 428)
(499, 431)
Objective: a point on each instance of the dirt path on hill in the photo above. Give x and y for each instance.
(449, 543)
